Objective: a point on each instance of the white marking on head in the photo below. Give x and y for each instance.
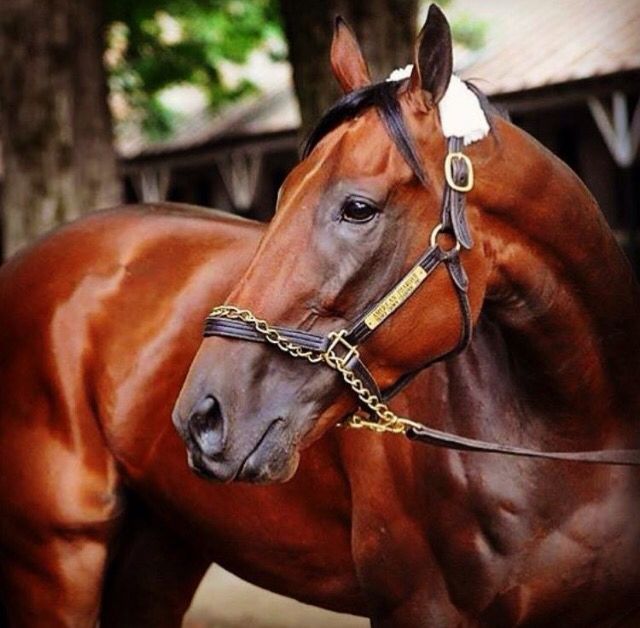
(461, 114)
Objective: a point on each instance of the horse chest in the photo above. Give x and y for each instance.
(292, 538)
(472, 538)
(520, 541)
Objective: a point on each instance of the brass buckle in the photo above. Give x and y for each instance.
(338, 338)
(448, 172)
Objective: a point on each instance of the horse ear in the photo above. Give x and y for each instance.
(434, 56)
(347, 62)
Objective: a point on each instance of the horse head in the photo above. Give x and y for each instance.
(352, 218)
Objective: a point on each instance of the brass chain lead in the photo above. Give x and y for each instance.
(388, 420)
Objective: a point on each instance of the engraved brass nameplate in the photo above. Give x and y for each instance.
(396, 297)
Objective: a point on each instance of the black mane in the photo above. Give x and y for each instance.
(382, 96)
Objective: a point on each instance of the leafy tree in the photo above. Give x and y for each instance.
(156, 44)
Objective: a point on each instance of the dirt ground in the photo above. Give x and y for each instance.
(224, 601)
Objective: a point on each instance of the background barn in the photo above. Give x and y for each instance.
(567, 72)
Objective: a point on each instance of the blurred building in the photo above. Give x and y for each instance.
(234, 160)
(568, 72)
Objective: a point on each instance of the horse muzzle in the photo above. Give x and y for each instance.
(264, 453)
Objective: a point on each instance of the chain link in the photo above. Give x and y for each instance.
(388, 421)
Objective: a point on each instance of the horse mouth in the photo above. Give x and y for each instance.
(208, 469)
(272, 459)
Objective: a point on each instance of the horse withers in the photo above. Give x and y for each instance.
(359, 279)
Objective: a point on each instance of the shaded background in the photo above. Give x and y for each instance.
(206, 102)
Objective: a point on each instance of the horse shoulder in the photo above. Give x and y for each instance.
(81, 307)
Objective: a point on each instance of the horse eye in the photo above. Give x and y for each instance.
(358, 211)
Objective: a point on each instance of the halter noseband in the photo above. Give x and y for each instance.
(339, 349)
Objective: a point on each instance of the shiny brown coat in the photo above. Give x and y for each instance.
(100, 516)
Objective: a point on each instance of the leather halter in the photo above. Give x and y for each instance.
(342, 346)
(345, 343)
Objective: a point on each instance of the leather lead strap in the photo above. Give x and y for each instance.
(431, 436)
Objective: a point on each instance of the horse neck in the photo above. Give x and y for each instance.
(561, 290)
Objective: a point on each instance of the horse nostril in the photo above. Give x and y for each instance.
(205, 406)
(207, 426)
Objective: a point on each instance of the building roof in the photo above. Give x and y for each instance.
(269, 112)
(529, 45)
(547, 42)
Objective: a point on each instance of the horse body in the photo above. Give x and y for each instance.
(101, 516)
(442, 538)
(410, 535)
(93, 473)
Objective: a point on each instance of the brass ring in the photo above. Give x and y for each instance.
(433, 239)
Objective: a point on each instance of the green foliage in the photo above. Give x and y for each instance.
(157, 44)
(469, 31)
(154, 45)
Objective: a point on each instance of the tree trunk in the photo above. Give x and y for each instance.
(55, 126)
(386, 30)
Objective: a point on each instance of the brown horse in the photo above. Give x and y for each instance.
(101, 517)
(439, 538)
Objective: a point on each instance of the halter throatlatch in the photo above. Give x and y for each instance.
(339, 349)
